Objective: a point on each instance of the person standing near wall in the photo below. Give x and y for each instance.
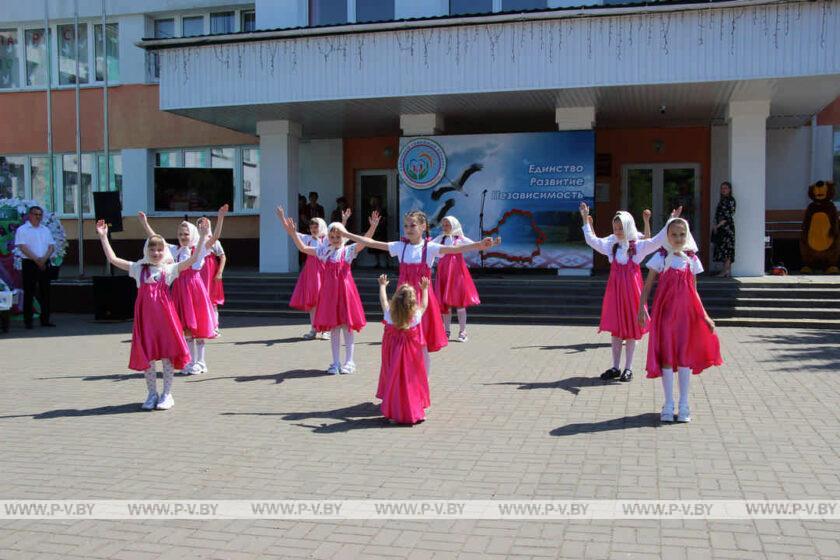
(37, 245)
(314, 209)
(723, 231)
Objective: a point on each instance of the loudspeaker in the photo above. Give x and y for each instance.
(114, 297)
(107, 206)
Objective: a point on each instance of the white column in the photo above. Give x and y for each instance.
(138, 182)
(279, 177)
(747, 173)
(426, 124)
(574, 118)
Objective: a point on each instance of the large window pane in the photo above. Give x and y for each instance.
(249, 20)
(8, 58)
(12, 177)
(71, 186)
(222, 158)
(67, 55)
(512, 5)
(164, 29)
(374, 10)
(36, 58)
(251, 178)
(112, 40)
(42, 184)
(192, 26)
(114, 182)
(196, 158)
(470, 7)
(222, 22)
(327, 12)
(166, 159)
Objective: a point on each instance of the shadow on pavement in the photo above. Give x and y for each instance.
(574, 348)
(646, 420)
(572, 384)
(803, 346)
(361, 416)
(270, 342)
(276, 377)
(128, 408)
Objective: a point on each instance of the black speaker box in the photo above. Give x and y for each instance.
(107, 206)
(114, 297)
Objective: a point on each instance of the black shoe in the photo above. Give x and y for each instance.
(626, 375)
(611, 373)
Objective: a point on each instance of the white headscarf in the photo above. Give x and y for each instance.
(628, 224)
(322, 226)
(167, 254)
(457, 231)
(332, 226)
(194, 236)
(690, 245)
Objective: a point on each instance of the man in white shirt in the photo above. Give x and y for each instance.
(37, 245)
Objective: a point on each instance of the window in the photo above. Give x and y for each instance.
(112, 41)
(470, 7)
(249, 20)
(222, 22)
(192, 26)
(114, 182)
(164, 29)
(166, 159)
(195, 158)
(374, 10)
(513, 5)
(8, 58)
(67, 55)
(36, 57)
(251, 178)
(222, 158)
(327, 12)
(13, 177)
(40, 176)
(70, 164)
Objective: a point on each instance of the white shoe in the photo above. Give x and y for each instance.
(334, 369)
(325, 335)
(349, 367)
(151, 402)
(194, 369)
(684, 415)
(187, 369)
(462, 336)
(165, 402)
(310, 335)
(667, 413)
(202, 366)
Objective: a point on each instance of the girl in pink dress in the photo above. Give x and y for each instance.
(211, 274)
(682, 335)
(308, 286)
(157, 333)
(192, 301)
(339, 308)
(625, 249)
(417, 255)
(403, 383)
(454, 286)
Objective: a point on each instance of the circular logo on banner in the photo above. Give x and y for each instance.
(422, 163)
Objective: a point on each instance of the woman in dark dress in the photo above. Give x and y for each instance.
(723, 232)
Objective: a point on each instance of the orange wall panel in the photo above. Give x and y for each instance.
(830, 115)
(135, 121)
(367, 153)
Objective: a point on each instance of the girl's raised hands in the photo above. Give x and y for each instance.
(204, 227)
(345, 215)
(383, 280)
(223, 210)
(424, 283)
(102, 228)
(374, 218)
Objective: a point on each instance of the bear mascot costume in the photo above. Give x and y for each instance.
(819, 242)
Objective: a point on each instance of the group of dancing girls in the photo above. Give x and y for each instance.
(176, 310)
(414, 316)
(681, 333)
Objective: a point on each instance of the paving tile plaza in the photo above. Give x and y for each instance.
(517, 413)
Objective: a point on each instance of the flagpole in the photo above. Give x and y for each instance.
(105, 140)
(79, 197)
(47, 38)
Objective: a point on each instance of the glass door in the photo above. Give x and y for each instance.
(662, 187)
(377, 188)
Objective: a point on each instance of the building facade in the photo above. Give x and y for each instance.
(314, 95)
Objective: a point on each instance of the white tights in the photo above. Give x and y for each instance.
(168, 375)
(462, 319)
(349, 344)
(630, 349)
(197, 350)
(668, 385)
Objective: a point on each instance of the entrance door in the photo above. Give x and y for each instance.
(662, 187)
(382, 184)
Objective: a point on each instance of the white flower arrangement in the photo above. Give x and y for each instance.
(50, 220)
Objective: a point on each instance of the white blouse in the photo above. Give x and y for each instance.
(135, 270)
(418, 317)
(326, 253)
(604, 245)
(452, 241)
(414, 253)
(181, 254)
(657, 263)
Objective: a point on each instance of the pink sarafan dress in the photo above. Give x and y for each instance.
(308, 285)
(403, 382)
(339, 303)
(679, 336)
(620, 306)
(454, 286)
(215, 288)
(192, 300)
(157, 333)
(431, 328)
